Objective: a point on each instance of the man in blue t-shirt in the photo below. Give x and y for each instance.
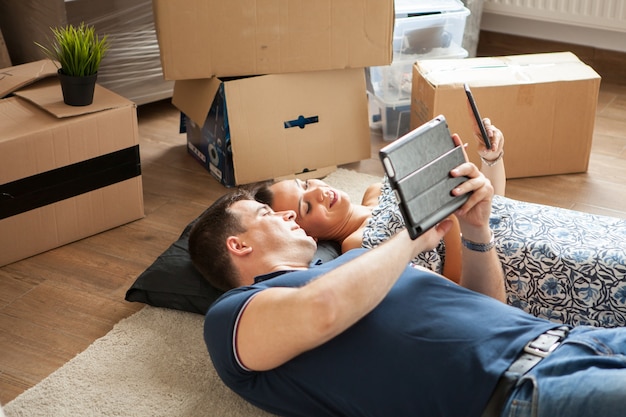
(370, 335)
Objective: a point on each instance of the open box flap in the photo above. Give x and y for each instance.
(194, 97)
(14, 78)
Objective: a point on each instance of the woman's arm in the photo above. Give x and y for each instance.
(452, 267)
(482, 271)
(492, 162)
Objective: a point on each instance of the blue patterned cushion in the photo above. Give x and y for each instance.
(564, 265)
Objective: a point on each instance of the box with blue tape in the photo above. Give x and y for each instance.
(250, 129)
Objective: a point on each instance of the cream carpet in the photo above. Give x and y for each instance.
(153, 363)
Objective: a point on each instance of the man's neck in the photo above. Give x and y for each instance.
(259, 268)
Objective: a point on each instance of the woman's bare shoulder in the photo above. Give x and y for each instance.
(371, 194)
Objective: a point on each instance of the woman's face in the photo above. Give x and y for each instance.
(321, 210)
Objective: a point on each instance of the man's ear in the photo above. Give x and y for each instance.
(237, 246)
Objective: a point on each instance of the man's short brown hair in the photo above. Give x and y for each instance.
(207, 240)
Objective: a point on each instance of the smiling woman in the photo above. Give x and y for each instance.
(324, 212)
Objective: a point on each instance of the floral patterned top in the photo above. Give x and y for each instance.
(563, 265)
(387, 220)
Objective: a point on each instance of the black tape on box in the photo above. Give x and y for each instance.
(69, 181)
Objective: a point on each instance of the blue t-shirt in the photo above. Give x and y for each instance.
(430, 348)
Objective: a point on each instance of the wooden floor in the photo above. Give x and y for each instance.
(54, 305)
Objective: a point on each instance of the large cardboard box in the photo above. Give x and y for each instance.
(67, 172)
(266, 127)
(206, 38)
(545, 105)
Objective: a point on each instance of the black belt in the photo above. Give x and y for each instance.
(533, 353)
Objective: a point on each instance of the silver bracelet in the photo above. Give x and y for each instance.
(479, 247)
(493, 161)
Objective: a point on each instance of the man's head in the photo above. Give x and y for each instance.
(238, 238)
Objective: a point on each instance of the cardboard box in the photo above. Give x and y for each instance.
(545, 105)
(206, 38)
(67, 172)
(258, 128)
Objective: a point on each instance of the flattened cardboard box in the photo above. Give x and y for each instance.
(544, 104)
(266, 127)
(206, 38)
(67, 172)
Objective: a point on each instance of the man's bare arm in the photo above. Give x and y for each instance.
(281, 323)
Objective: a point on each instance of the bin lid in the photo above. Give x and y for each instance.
(408, 8)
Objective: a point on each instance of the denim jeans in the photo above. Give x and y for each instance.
(584, 377)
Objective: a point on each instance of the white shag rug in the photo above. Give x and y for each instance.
(153, 363)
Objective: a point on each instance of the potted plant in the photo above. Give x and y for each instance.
(78, 51)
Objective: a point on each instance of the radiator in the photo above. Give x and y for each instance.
(597, 14)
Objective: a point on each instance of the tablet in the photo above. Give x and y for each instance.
(418, 165)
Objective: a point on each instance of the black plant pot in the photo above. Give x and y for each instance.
(77, 91)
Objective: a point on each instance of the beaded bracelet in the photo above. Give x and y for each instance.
(479, 247)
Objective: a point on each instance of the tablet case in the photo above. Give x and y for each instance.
(418, 166)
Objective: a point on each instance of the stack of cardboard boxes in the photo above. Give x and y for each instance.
(275, 88)
(67, 172)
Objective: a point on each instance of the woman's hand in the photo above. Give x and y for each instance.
(497, 141)
(492, 162)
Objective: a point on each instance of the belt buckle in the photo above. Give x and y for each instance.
(545, 343)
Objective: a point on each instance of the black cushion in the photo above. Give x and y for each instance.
(173, 282)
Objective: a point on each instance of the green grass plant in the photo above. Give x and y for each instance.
(78, 49)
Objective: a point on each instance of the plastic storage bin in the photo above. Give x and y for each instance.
(430, 29)
(394, 118)
(393, 82)
(389, 93)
